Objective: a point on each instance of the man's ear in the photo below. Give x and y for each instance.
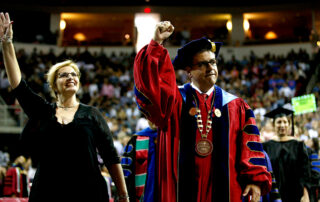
(188, 70)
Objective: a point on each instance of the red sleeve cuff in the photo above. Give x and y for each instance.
(155, 49)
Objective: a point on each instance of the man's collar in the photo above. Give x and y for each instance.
(208, 92)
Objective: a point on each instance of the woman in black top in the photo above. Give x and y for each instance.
(289, 159)
(64, 137)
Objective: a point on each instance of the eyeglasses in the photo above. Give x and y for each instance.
(66, 75)
(206, 63)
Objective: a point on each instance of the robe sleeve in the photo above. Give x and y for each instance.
(314, 168)
(305, 165)
(274, 194)
(155, 83)
(128, 165)
(253, 164)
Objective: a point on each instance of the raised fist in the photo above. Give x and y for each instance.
(163, 30)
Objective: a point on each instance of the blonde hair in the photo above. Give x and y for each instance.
(52, 74)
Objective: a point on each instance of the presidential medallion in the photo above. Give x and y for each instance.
(204, 147)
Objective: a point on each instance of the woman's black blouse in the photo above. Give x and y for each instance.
(68, 167)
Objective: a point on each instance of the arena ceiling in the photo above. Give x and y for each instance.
(216, 3)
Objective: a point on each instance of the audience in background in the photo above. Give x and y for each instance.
(107, 83)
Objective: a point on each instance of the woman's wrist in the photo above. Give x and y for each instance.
(6, 39)
(123, 196)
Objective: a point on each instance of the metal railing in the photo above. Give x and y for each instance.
(12, 119)
(2, 102)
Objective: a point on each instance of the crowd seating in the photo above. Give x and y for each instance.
(107, 83)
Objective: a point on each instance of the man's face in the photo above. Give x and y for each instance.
(203, 70)
(21, 160)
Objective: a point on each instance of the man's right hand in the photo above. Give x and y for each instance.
(163, 30)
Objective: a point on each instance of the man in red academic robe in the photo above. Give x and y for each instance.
(16, 180)
(208, 142)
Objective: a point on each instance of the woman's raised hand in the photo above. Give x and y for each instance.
(6, 32)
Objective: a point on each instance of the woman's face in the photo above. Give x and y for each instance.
(67, 81)
(281, 126)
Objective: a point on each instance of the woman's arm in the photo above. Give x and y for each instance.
(108, 153)
(305, 197)
(9, 55)
(116, 173)
(32, 104)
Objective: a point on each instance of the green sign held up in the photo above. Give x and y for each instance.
(304, 104)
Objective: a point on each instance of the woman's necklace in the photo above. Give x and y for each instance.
(66, 115)
(66, 108)
(204, 146)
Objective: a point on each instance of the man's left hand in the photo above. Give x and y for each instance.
(254, 191)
